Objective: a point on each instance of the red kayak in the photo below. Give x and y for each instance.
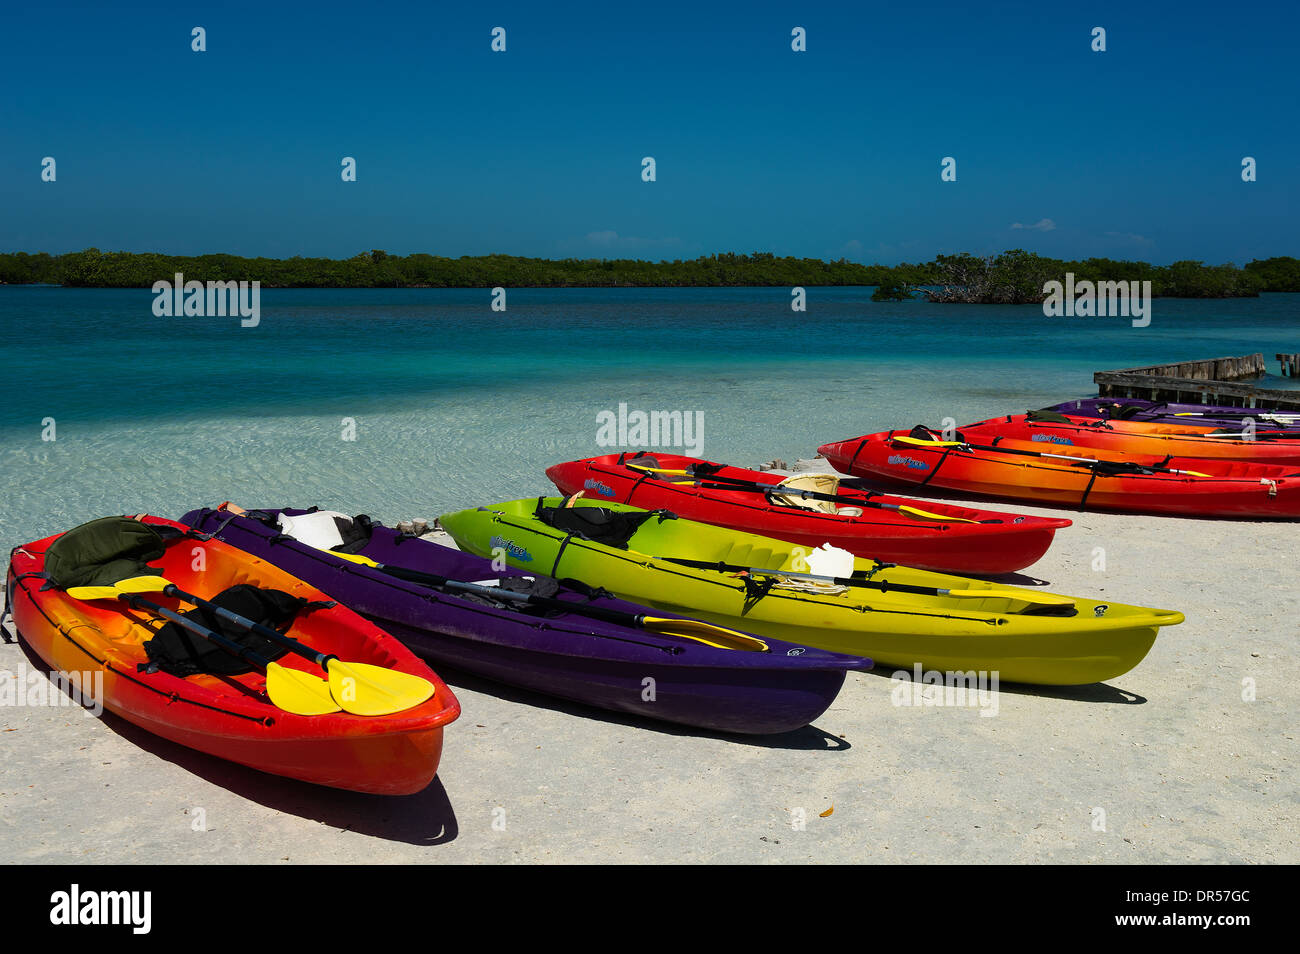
(225, 710)
(812, 509)
(1077, 477)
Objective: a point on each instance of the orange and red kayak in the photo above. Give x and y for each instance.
(1137, 437)
(230, 716)
(1071, 476)
(931, 536)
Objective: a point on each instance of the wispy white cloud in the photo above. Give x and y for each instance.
(1042, 225)
(610, 239)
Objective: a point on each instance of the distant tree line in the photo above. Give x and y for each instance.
(1018, 277)
(1012, 277)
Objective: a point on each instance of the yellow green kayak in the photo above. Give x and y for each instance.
(899, 616)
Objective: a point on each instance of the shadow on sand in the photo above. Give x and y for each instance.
(425, 818)
(1093, 692)
(807, 738)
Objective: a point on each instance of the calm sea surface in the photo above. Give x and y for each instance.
(455, 404)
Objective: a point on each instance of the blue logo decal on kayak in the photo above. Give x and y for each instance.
(512, 549)
(1051, 439)
(603, 489)
(897, 459)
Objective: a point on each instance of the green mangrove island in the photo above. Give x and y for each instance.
(1012, 277)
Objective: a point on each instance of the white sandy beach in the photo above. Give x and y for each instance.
(1168, 759)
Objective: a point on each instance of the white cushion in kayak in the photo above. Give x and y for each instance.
(314, 529)
(830, 561)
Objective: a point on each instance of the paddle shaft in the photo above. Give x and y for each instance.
(735, 483)
(1091, 462)
(883, 585)
(496, 592)
(230, 646)
(715, 482)
(248, 626)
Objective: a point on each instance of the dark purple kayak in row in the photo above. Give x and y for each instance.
(1169, 412)
(565, 654)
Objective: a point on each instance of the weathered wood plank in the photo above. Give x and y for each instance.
(1138, 384)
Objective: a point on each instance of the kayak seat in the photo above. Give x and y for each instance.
(819, 483)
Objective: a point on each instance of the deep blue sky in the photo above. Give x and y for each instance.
(1131, 153)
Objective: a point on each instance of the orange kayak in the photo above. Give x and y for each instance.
(1136, 437)
(101, 642)
(1071, 476)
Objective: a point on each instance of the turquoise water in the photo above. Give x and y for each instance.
(455, 404)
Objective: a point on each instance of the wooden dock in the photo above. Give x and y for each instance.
(1213, 381)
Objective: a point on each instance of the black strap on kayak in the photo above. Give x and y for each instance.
(937, 464)
(1092, 479)
(861, 444)
(171, 535)
(926, 434)
(559, 553)
(645, 475)
(230, 517)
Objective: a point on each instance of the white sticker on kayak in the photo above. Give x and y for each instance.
(496, 582)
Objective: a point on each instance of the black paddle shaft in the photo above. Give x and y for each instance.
(248, 626)
(718, 482)
(230, 646)
(883, 585)
(496, 592)
(1107, 468)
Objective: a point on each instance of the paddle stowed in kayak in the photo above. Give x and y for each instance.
(1210, 416)
(1082, 478)
(1135, 437)
(899, 616)
(813, 509)
(530, 631)
(265, 670)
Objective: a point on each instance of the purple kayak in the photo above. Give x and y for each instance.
(1168, 412)
(601, 662)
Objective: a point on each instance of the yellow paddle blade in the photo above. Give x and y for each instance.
(353, 558)
(299, 692)
(137, 584)
(1039, 599)
(368, 690)
(659, 470)
(710, 635)
(904, 439)
(92, 592)
(143, 584)
(915, 512)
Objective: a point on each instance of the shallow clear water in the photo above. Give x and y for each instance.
(456, 405)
